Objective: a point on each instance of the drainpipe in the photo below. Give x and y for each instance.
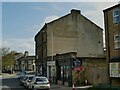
(107, 32)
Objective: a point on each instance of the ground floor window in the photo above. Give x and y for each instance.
(65, 72)
(115, 69)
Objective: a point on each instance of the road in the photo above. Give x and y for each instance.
(11, 82)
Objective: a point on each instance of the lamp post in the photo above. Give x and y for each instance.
(52, 54)
(36, 64)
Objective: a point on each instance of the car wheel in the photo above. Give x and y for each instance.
(32, 88)
(29, 87)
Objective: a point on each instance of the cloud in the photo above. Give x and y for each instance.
(49, 19)
(20, 45)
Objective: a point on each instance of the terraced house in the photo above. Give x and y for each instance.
(25, 62)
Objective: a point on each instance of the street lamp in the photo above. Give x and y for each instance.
(52, 54)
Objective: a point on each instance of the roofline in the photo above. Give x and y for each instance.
(50, 23)
(58, 18)
(111, 7)
(22, 58)
(81, 15)
(93, 22)
(40, 31)
(72, 11)
(78, 11)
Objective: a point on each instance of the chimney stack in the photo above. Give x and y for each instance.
(75, 11)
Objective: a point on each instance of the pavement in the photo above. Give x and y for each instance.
(82, 87)
(60, 87)
(4, 75)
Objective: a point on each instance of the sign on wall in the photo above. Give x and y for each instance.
(115, 69)
(50, 63)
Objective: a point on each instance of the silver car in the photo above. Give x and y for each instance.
(22, 80)
(39, 82)
(21, 75)
(28, 80)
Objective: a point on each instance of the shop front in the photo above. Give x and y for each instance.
(51, 70)
(64, 71)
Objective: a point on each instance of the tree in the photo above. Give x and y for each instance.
(5, 51)
(7, 58)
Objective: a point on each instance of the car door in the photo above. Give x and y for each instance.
(30, 84)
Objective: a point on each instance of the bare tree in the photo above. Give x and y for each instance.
(7, 57)
(5, 51)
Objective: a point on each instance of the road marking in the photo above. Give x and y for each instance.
(4, 87)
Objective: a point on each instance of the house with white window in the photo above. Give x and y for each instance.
(112, 34)
(26, 62)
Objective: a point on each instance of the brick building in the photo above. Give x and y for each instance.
(112, 33)
(70, 33)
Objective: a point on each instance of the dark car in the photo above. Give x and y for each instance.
(6, 71)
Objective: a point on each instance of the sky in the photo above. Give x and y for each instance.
(22, 20)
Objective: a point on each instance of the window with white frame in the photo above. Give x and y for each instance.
(116, 17)
(117, 41)
(114, 69)
(29, 62)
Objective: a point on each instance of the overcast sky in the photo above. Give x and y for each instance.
(22, 20)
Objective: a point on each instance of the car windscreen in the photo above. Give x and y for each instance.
(25, 78)
(41, 80)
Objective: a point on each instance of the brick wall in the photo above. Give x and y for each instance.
(95, 70)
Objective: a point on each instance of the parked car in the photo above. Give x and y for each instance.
(7, 71)
(28, 80)
(21, 75)
(39, 82)
(22, 80)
